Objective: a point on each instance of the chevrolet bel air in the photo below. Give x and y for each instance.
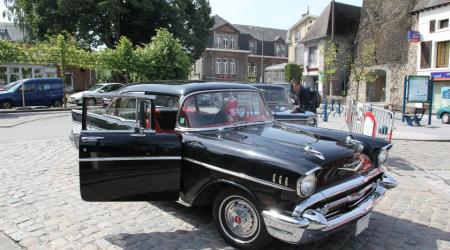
(217, 144)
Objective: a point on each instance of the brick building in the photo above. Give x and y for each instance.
(234, 52)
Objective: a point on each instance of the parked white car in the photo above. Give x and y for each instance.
(97, 88)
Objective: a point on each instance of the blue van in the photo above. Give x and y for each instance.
(37, 92)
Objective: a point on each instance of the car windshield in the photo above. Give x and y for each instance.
(95, 87)
(225, 108)
(13, 86)
(276, 96)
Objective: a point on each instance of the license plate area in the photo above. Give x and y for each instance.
(362, 224)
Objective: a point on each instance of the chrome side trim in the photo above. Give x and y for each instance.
(184, 129)
(121, 95)
(146, 158)
(313, 170)
(335, 190)
(240, 175)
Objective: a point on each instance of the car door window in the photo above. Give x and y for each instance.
(107, 88)
(28, 88)
(45, 86)
(123, 108)
(115, 87)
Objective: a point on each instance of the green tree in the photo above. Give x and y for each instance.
(293, 72)
(162, 59)
(104, 22)
(360, 69)
(329, 52)
(121, 59)
(11, 52)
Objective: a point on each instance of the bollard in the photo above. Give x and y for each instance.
(339, 108)
(325, 110)
(332, 102)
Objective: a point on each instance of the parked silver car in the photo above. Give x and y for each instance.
(97, 88)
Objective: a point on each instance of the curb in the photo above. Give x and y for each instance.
(7, 243)
(7, 111)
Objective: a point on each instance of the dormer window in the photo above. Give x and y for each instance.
(252, 46)
(232, 43)
(218, 42)
(280, 50)
(225, 42)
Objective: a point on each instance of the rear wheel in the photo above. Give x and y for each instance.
(239, 220)
(445, 118)
(57, 103)
(6, 104)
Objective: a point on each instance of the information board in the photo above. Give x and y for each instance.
(418, 89)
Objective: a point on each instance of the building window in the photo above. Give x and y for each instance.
(3, 75)
(312, 56)
(443, 24)
(252, 46)
(218, 65)
(233, 42)
(298, 35)
(443, 53)
(225, 42)
(232, 66)
(432, 26)
(251, 69)
(218, 42)
(425, 55)
(224, 65)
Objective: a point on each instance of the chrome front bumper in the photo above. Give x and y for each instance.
(305, 225)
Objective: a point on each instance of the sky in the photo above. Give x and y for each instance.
(280, 14)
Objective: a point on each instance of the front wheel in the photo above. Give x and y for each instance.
(239, 220)
(445, 118)
(57, 103)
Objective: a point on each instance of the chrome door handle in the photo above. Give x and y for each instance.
(91, 138)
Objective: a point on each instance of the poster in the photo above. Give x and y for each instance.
(418, 89)
(445, 93)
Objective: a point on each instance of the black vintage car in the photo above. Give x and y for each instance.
(279, 103)
(217, 144)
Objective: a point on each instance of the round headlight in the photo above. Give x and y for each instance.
(382, 156)
(306, 185)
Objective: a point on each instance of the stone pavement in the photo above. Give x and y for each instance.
(41, 208)
(8, 120)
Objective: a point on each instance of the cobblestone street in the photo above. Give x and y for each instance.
(40, 207)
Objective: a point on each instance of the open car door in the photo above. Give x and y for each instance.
(122, 158)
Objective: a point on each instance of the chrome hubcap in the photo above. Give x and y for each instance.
(446, 118)
(90, 102)
(241, 218)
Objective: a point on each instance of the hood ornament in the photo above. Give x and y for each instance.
(309, 150)
(356, 145)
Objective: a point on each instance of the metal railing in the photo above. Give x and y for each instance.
(369, 120)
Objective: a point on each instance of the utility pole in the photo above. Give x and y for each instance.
(262, 58)
(332, 39)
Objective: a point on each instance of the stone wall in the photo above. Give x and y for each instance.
(387, 24)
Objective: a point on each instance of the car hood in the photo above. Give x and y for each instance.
(282, 145)
(4, 92)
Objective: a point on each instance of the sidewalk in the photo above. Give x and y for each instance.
(436, 132)
(7, 243)
(8, 120)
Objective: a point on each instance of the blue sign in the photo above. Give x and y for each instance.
(441, 76)
(413, 36)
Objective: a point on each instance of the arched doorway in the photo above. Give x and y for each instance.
(376, 90)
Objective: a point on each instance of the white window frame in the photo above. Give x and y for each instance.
(218, 42)
(232, 66)
(225, 65)
(218, 68)
(439, 23)
(233, 42)
(314, 61)
(225, 42)
(254, 45)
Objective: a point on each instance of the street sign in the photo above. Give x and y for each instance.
(413, 36)
(441, 76)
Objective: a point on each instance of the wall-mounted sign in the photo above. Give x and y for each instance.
(413, 36)
(418, 89)
(441, 76)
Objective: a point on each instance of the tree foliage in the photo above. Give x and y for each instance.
(104, 22)
(360, 69)
(329, 52)
(11, 52)
(293, 72)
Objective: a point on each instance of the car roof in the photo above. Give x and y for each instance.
(267, 86)
(182, 89)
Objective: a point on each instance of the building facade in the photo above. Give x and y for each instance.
(313, 43)
(434, 47)
(236, 52)
(76, 79)
(395, 57)
(295, 34)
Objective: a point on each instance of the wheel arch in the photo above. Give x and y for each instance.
(8, 100)
(205, 196)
